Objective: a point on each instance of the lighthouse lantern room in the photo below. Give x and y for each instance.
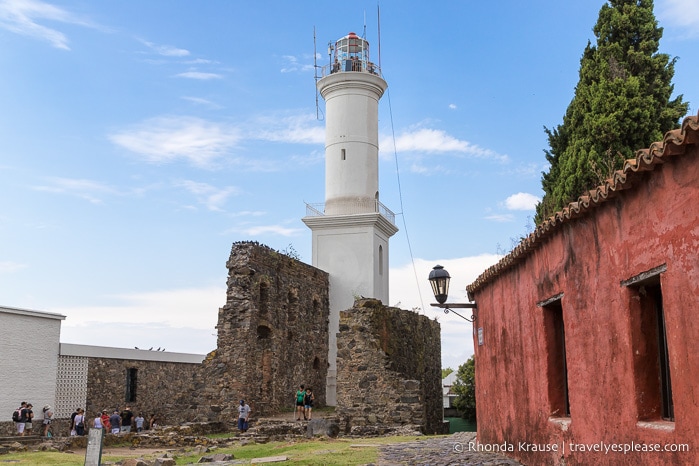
(350, 53)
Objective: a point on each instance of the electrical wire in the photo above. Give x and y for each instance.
(400, 197)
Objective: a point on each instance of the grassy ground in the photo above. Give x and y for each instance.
(321, 451)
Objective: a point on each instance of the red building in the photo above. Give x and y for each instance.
(587, 333)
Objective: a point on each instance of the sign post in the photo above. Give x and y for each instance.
(93, 454)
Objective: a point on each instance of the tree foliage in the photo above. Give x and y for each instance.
(622, 103)
(465, 387)
(447, 371)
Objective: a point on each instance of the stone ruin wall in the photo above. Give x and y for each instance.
(388, 369)
(165, 389)
(272, 334)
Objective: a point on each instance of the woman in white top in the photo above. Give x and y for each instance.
(80, 422)
(98, 421)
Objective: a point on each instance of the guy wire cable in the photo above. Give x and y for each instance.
(400, 197)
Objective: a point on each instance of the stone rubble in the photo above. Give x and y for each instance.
(452, 450)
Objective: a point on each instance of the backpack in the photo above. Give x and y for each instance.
(16, 415)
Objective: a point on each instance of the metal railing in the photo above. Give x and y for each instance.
(351, 208)
(349, 65)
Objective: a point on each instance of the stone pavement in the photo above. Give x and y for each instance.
(443, 451)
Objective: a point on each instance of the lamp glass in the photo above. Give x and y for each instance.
(439, 279)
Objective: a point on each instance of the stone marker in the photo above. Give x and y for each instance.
(93, 454)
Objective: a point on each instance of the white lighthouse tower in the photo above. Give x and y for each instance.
(351, 230)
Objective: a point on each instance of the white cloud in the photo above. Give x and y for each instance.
(187, 307)
(166, 139)
(291, 64)
(410, 289)
(250, 213)
(200, 101)
(23, 17)
(199, 75)
(683, 13)
(452, 106)
(92, 191)
(437, 141)
(143, 336)
(9, 266)
(501, 217)
(261, 230)
(180, 320)
(212, 197)
(166, 50)
(297, 129)
(200, 61)
(522, 201)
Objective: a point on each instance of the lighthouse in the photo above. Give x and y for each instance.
(350, 231)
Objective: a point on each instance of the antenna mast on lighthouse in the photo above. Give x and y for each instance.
(315, 71)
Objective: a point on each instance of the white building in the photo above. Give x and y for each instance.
(448, 396)
(29, 361)
(40, 370)
(350, 231)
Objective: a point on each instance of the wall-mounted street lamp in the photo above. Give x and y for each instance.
(439, 279)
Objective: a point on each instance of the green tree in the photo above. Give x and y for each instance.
(465, 387)
(622, 103)
(447, 371)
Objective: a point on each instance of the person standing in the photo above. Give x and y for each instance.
(300, 393)
(72, 422)
(308, 403)
(97, 422)
(48, 416)
(80, 422)
(243, 416)
(126, 416)
(105, 421)
(139, 420)
(19, 423)
(28, 419)
(115, 421)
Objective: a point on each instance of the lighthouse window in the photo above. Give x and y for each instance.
(344, 155)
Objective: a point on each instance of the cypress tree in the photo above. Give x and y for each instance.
(622, 103)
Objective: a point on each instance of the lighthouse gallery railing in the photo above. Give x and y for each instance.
(351, 208)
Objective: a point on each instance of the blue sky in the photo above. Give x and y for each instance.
(139, 140)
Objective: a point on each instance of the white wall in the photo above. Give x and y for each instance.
(29, 360)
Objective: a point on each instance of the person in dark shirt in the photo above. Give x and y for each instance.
(126, 416)
(72, 421)
(28, 415)
(20, 423)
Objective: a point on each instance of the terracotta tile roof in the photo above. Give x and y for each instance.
(674, 143)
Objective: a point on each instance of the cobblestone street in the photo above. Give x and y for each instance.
(453, 450)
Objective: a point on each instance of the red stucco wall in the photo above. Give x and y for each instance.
(654, 223)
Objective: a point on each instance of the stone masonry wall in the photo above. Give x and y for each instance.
(388, 369)
(272, 334)
(166, 389)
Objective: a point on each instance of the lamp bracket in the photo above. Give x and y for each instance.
(449, 307)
